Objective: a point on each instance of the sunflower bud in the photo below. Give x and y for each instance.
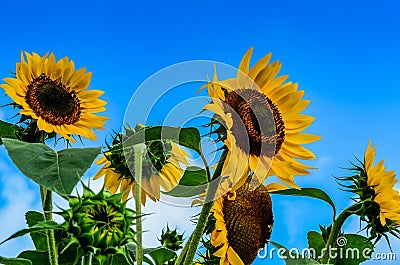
(100, 223)
(171, 239)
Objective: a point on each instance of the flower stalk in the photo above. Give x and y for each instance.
(139, 149)
(195, 238)
(47, 203)
(87, 260)
(336, 228)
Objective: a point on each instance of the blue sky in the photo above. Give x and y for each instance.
(344, 54)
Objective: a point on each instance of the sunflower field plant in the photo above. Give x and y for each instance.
(261, 144)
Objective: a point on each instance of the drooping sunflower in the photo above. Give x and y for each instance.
(243, 224)
(55, 95)
(264, 124)
(161, 169)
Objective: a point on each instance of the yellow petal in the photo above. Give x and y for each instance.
(233, 257)
(275, 187)
(260, 65)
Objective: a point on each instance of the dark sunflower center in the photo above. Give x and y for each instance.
(52, 101)
(264, 130)
(248, 221)
(104, 216)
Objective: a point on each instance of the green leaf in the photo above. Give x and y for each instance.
(352, 249)
(42, 226)
(292, 258)
(58, 171)
(8, 130)
(316, 243)
(131, 252)
(37, 257)
(309, 192)
(69, 255)
(120, 259)
(187, 137)
(160, 255)
(39, 238)
(191, 183)
(14, 261)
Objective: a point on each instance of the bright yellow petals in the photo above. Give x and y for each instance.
(253, 93)
(55, 95)
(167, 178)
(383, 182)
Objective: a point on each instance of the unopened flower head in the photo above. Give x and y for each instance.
(100, 223)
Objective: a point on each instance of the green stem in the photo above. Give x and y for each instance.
(336, 228)
(203, 217)
(206, 166)
(87, 260)
(47, 203)
(138, 201)
(183, 252)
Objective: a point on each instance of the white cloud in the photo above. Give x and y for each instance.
(161, 214)
(17, 198)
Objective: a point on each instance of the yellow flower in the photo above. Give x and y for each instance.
(264, 124)
(243, 225)
(165, 175)
(55, 95)
(382, 182)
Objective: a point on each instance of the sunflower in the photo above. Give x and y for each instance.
(161, 169)
(381, 183)
(377, 200)
(54, 95)
(243, 224)
(263, 122)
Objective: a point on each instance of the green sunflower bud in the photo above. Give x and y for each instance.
(100, 223)
(171, 239)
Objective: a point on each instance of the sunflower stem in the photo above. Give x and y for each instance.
(47, 203)
(87, 260)
(138, 149)
(203, 217)
(335, 231)
(183, 252)
(206, 166)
